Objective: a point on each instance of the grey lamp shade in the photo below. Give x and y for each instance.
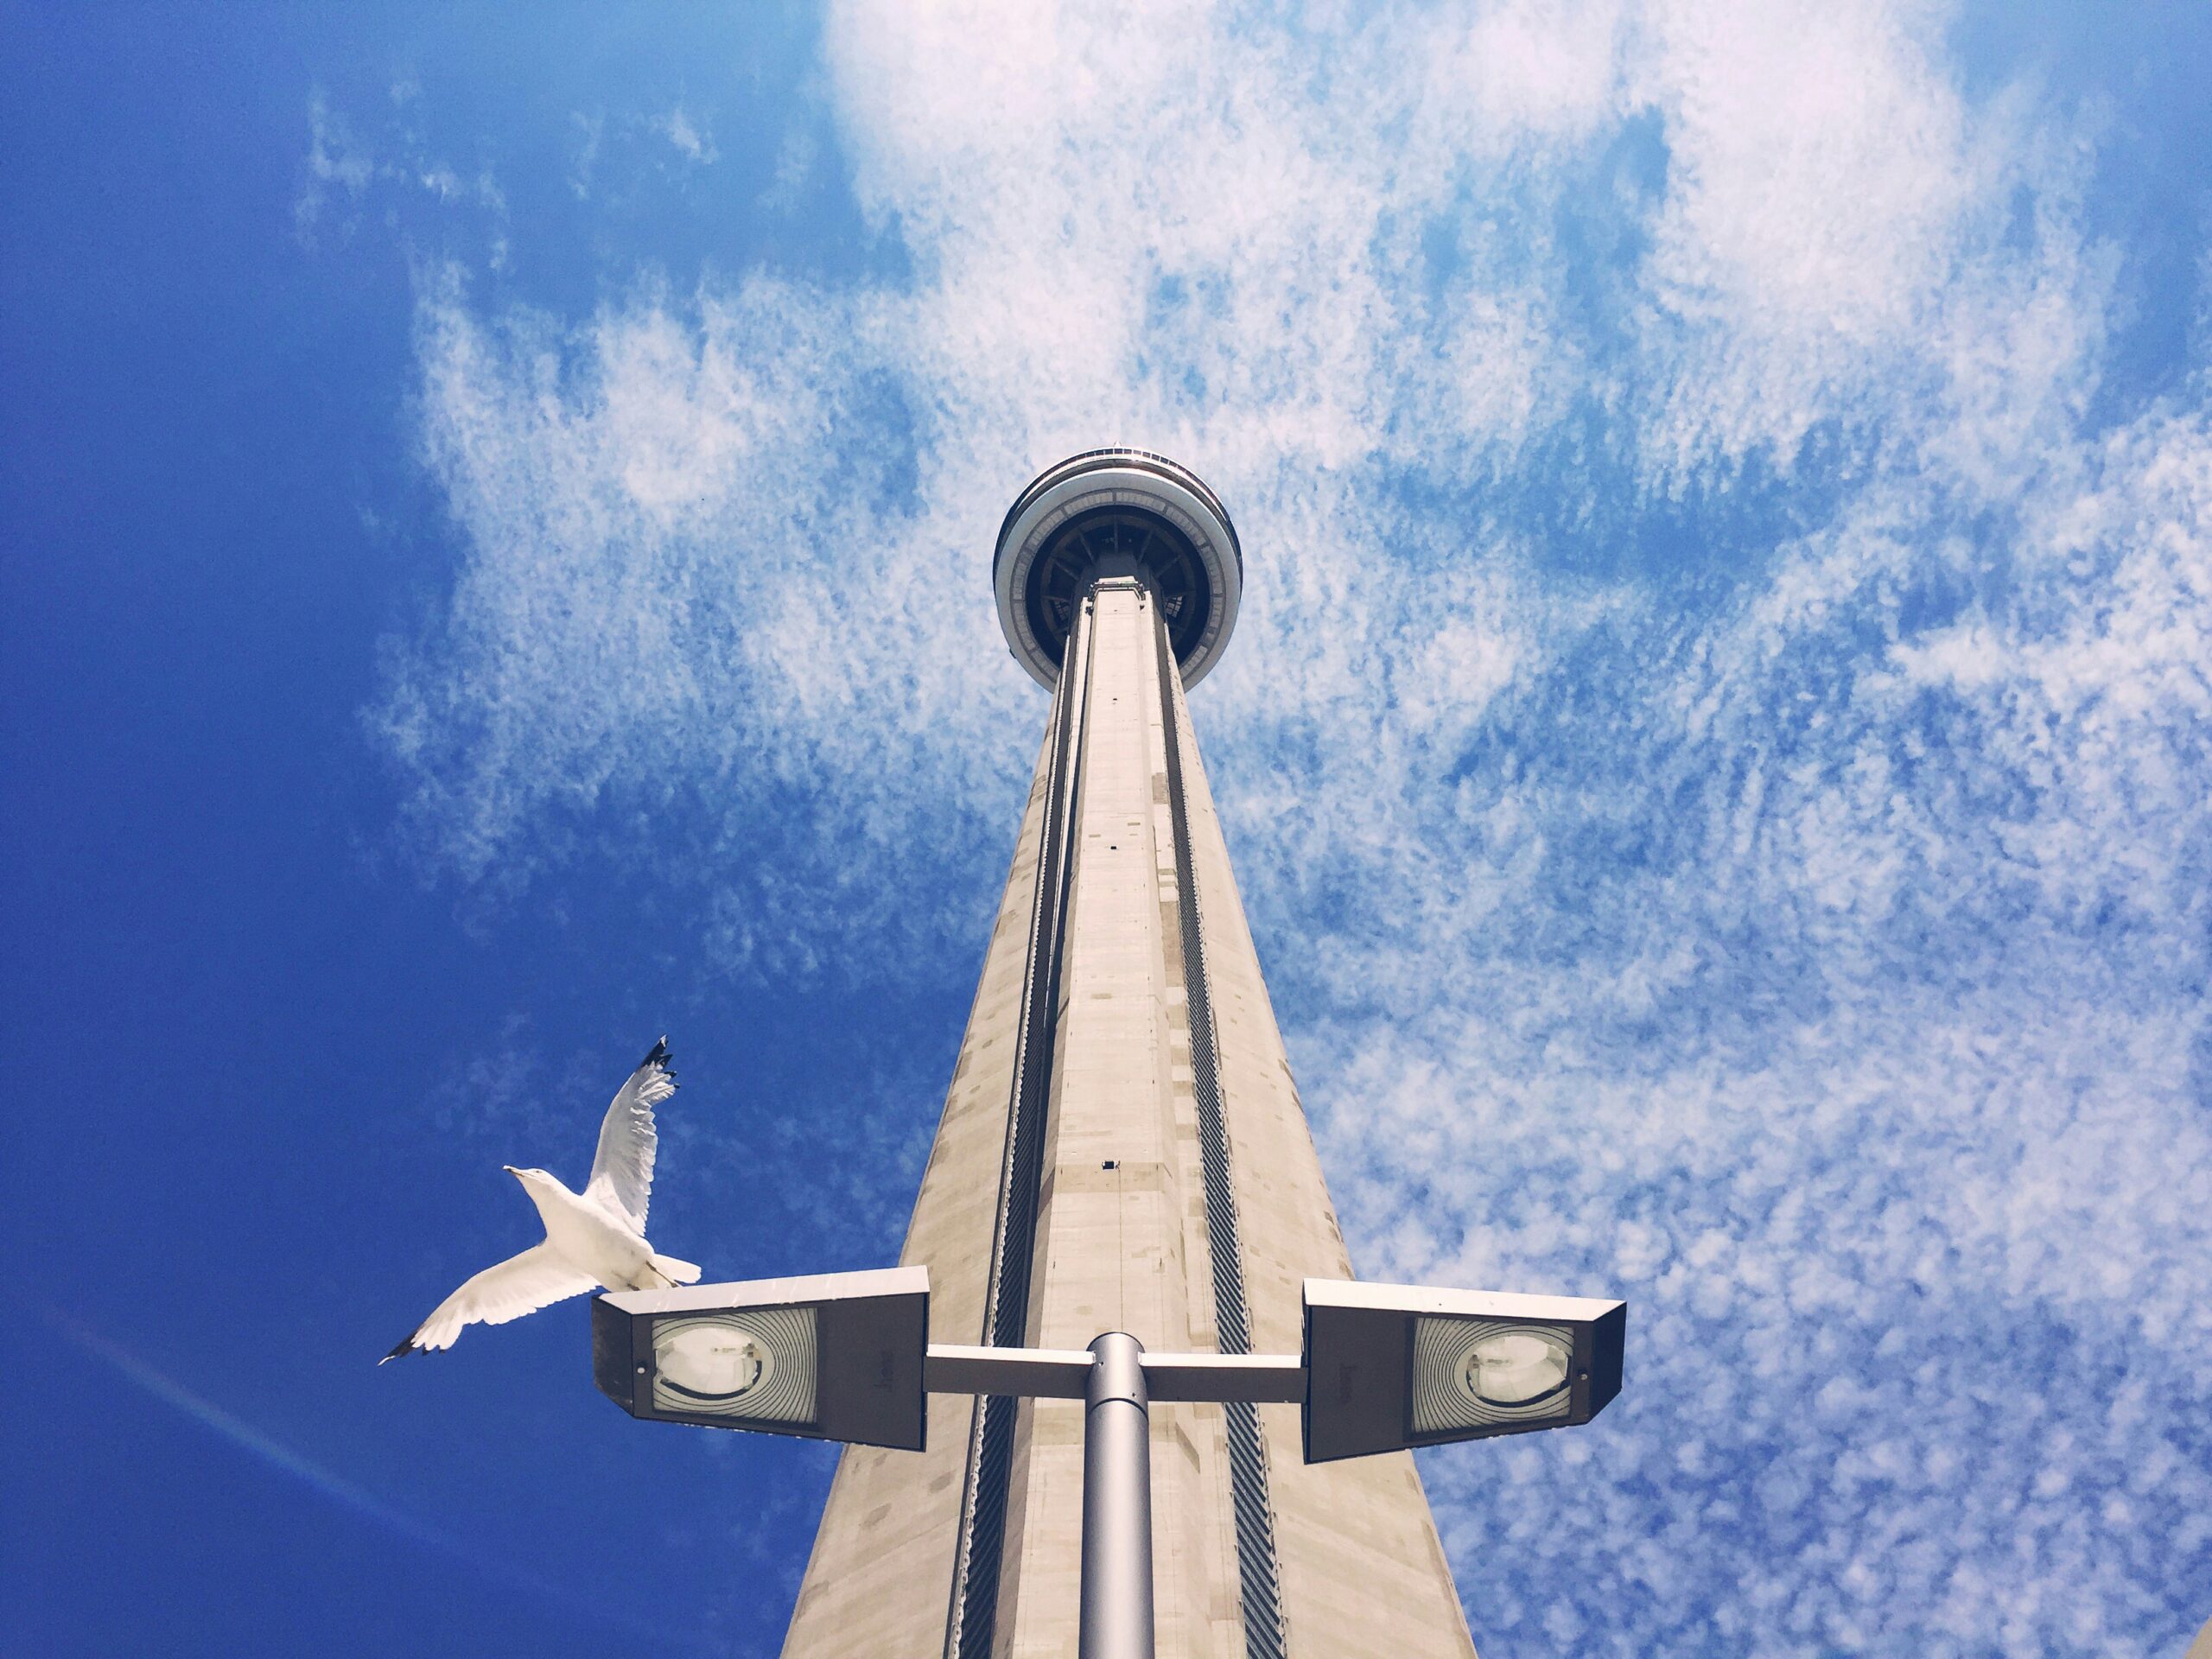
(829, 1356)
(1393, 1366)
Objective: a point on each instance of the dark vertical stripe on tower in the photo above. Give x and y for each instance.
(1258, 1571)
(972, 1620)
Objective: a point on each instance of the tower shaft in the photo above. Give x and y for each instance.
(1123, 1149)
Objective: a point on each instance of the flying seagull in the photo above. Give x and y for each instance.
(593, 1240)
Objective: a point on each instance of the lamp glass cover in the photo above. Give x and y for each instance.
(714, 1360)
(1475, 1373)
(1515, 1368)
(757, 1363)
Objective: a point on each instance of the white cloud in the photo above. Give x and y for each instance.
(590, 130)
(668, 605)
(796, 160)
(334, 159)
(1821, 182)
(345, 168)
(691, 136)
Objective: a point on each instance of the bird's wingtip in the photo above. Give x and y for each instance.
(659, 1056)
(406, 1346)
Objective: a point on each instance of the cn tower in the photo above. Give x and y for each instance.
(1122, 1148)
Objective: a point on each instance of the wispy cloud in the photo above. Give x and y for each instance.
(690, 134)
(1715, 748)
(335, 163)
(343, 169)
(589, 131)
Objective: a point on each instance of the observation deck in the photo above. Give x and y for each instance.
(1116, 512)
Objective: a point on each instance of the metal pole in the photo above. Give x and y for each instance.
(1117, 1596)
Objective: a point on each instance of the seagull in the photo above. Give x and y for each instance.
(593, 1240)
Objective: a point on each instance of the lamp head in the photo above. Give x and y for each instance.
(1391, 1366)
(830, 1356)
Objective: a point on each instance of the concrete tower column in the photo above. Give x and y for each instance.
(1123, 1149)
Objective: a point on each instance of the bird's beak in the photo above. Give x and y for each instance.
(512, 1171)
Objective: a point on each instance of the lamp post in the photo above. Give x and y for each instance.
(1115, 1608)
(846, 1357)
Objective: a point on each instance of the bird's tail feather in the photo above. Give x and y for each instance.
(675, 1271)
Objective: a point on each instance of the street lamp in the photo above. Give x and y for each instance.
(846, 1357)
(1393, 1366)
(829, 1356)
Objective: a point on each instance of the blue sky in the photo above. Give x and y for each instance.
(1716, 751)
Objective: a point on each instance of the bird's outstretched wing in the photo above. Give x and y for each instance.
(521, 1284)
(622, 1174)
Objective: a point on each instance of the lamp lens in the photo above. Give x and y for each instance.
(756, 1364)
(716, 1362)
(1516, 1369)
(1479, 1373)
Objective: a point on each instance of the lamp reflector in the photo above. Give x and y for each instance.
(1471, 1373)
(757, 1365)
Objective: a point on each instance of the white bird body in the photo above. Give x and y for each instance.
(587, 1236)
(593, 1239)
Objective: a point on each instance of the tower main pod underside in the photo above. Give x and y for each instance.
(1122, 1148)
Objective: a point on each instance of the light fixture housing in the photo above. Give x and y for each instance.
(1393, 1366)
(829, 1356)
